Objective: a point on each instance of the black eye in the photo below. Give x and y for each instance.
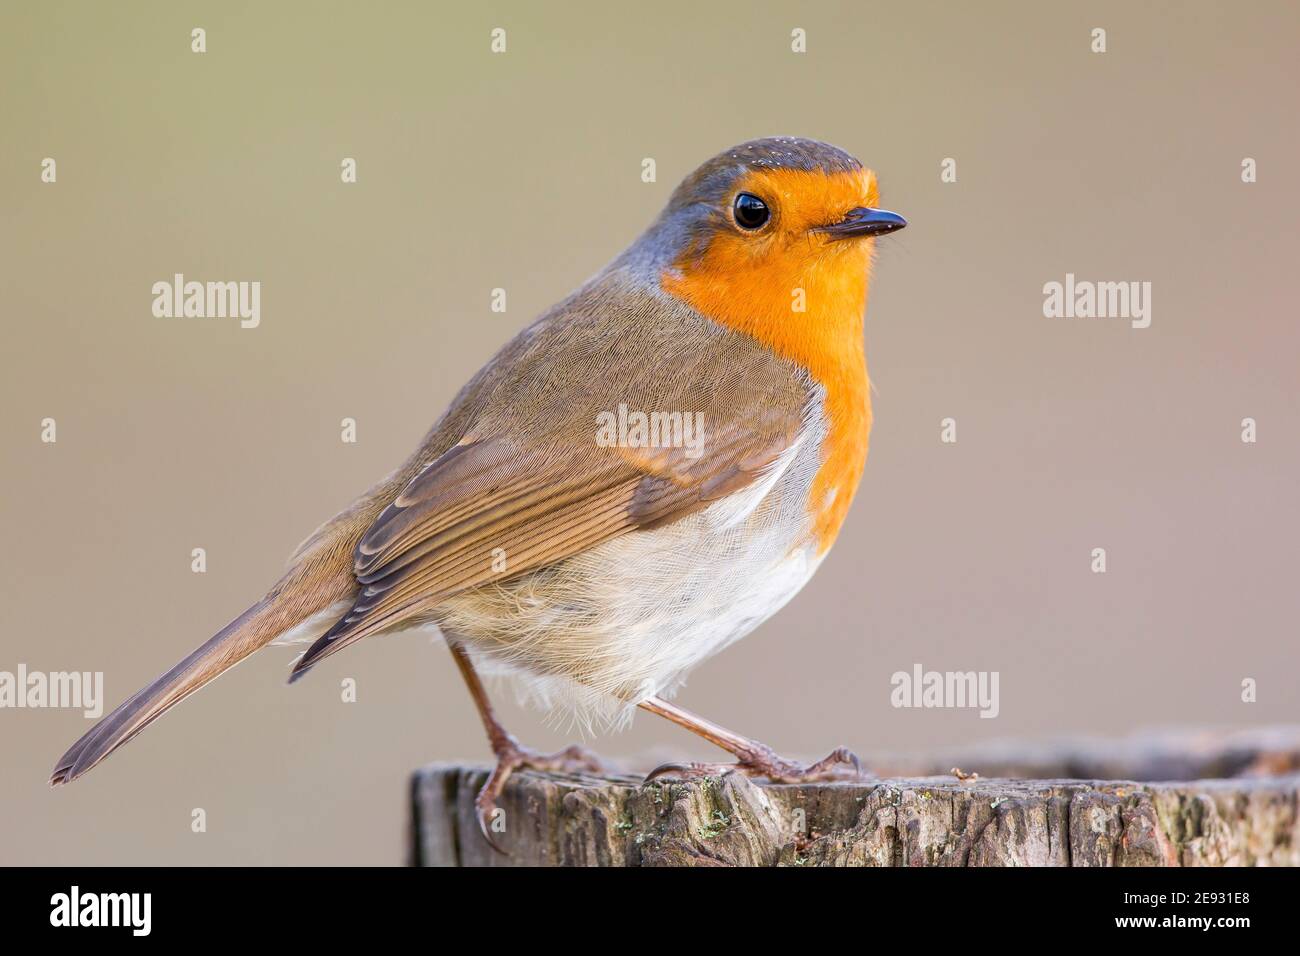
(751, 212)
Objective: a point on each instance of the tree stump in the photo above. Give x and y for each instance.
(1244, 814)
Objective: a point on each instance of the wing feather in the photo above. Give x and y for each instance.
(531, 485)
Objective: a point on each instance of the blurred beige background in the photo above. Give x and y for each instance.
(523, 171)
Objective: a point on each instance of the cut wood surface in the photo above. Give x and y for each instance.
(1222, 799)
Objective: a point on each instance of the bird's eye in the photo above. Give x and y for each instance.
(751, 212)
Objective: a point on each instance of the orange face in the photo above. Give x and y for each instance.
(786, 283)
(802, 291)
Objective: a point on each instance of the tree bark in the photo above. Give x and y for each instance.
(1247, 816)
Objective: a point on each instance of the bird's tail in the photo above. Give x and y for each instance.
(282, 609)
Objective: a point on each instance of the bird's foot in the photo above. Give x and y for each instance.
(511, 756)
(758, 760)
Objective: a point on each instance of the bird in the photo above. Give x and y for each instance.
(640, 477)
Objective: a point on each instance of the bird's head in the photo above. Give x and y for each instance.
(775, 237)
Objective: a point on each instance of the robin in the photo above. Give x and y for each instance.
(641, 476)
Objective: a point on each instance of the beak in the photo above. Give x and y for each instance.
(864, 222)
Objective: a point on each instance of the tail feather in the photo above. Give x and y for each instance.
(253, 629)
(331, 642)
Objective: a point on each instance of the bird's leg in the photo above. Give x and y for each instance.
(752, 757)
(510, 755)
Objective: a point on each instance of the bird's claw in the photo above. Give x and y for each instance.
(511, 757)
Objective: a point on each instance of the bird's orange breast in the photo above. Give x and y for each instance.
(804, 298)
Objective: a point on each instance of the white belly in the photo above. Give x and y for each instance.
(603, 630)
